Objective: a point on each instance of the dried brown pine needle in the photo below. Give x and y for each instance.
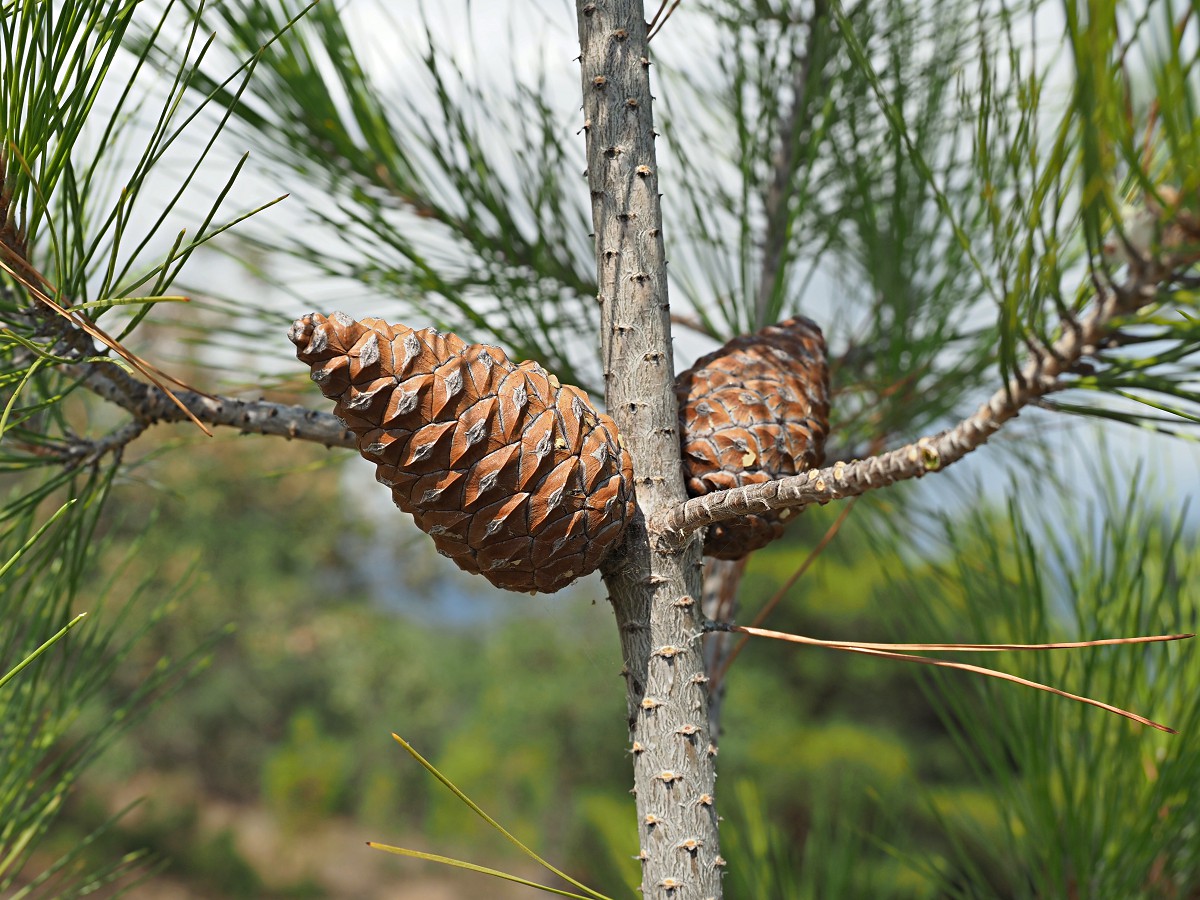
(891, 651)
(84, 324)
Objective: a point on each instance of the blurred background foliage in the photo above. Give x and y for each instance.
(842, 775)
(930, 180)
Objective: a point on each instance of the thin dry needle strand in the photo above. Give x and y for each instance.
(967, 648)
(81, 322)
(826, 539)
(887, 651)
(74, 317)
(654, 20)
(472, 867)
(1004, 676)
(770, 605)
(650, 26)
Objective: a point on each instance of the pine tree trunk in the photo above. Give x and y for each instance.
(654, 593)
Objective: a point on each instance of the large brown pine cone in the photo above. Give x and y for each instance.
(515, 476)
(755, 410)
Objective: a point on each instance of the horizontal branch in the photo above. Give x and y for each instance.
(149, 404)
(78, 451)
(1039, 377)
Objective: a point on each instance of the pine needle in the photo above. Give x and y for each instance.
(512, 839)
(58, 514)
(770, 605)
(50, 642)
(483, 870)
(652, 31)
(966, 648)
(889, 651)
(154, 375)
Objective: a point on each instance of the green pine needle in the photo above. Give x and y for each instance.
(454, 789)
(50, 642)
(483, 870)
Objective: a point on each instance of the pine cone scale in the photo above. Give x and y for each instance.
(487, 476)
(508, 514)
(438, 489)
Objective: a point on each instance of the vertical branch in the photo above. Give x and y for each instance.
(654, 592)
(777, 197)
(722, 581)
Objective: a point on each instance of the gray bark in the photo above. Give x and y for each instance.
(149, 404)
(654, 592)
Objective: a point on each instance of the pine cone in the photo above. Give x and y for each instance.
(755, 410)
(514, 475)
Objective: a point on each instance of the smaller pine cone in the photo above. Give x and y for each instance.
(515, 476)
(755, 410)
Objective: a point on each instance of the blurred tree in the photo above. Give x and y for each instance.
(975, 211)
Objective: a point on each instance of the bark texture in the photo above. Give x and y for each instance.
(655, 592)
(150, 404)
